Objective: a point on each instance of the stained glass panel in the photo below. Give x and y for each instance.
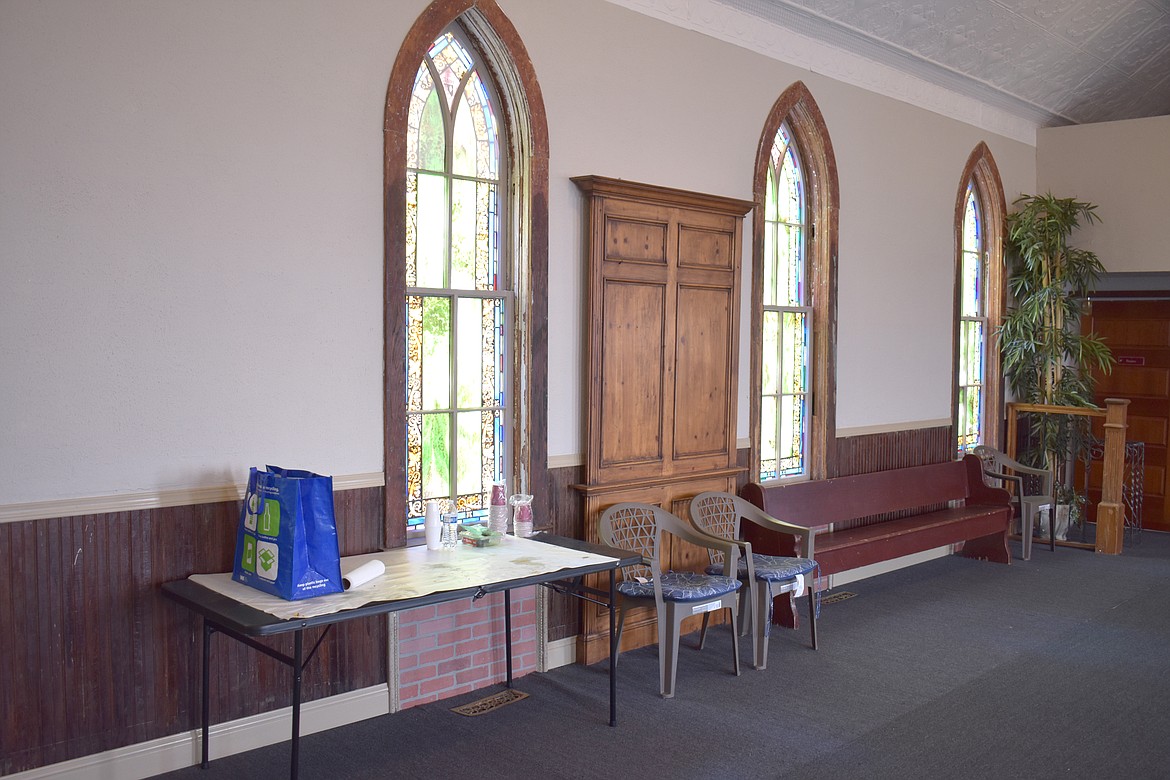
(789, 202)
(464, 144)
(414, 352)
(790, 261)
(971, 240)
(770, 376)
(451, 61)
(492, 347)
(411, 229)
(469, 451)
(432, 144)
(463, 230)
(792, 432)
(769, 444)
(436, 353)
(794, 352)
(431, 241)
(770, 263)
(470, 355)
(414, 460)
(436, 455)
(487, 243)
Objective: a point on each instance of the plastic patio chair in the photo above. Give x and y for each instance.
(997, 465)
(767, 576)
(675, 595)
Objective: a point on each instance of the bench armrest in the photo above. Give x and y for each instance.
(805, 545)
(978, 491)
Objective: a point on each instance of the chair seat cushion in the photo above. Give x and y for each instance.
(772, 568)
(681, 586)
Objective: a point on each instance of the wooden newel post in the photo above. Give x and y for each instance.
(1111, 510)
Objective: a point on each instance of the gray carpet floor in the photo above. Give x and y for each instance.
(1056, 667)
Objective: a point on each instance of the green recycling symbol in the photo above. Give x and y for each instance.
(267, 560)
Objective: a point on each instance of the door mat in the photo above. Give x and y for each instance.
(838, 596)
(493, 702)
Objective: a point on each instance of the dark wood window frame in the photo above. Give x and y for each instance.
(526, 129)
(982, 172)
(797, 107)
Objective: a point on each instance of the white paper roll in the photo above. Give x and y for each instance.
(363, 574)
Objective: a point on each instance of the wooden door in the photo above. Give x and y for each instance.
(1138, 333)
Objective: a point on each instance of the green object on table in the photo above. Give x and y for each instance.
(479, 535)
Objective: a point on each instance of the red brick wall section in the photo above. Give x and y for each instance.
(454, 648)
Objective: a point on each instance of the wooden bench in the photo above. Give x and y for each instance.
(884, 515)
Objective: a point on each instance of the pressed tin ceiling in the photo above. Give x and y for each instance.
(1054, 62)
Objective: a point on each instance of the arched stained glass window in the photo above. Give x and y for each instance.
(458, 302)
(979, 291)
(973, 326)
(787, 317)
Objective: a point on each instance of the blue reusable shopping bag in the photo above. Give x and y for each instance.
(286, 544)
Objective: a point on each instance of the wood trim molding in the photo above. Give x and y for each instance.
(191, 495)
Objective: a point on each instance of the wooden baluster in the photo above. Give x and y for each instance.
(1111, 510)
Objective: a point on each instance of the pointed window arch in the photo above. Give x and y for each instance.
(794, 296)
(466, 162)
(979, 290)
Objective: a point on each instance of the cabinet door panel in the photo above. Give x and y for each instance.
(632, 365)
(703, 385)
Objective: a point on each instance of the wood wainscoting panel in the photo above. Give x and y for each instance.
(93, 657)
(894, 450)
(564, 612)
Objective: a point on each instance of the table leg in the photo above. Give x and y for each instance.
(298, 666)
(613, 648)
(206, 703)
(508, 632)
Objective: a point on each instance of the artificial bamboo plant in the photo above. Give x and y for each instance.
(1046, 357)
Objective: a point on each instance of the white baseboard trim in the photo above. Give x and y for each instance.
(146, 759)
(883, 567)
(561, 652)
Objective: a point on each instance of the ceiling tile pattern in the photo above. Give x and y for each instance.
(1060, 61)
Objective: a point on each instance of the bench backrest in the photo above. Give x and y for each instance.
(821, 502)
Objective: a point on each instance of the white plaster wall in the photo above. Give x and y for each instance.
(191, 222)
(191, 262)
(1124, 168)
(687, 111)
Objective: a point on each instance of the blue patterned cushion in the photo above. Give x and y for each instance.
(772, 568)
(681, 586)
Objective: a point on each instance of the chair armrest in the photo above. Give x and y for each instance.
(999, 476)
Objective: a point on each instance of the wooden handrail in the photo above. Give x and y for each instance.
(1110, 510)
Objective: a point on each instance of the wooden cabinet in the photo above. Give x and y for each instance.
(663, 309)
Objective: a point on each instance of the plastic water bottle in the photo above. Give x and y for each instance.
(450, 531)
